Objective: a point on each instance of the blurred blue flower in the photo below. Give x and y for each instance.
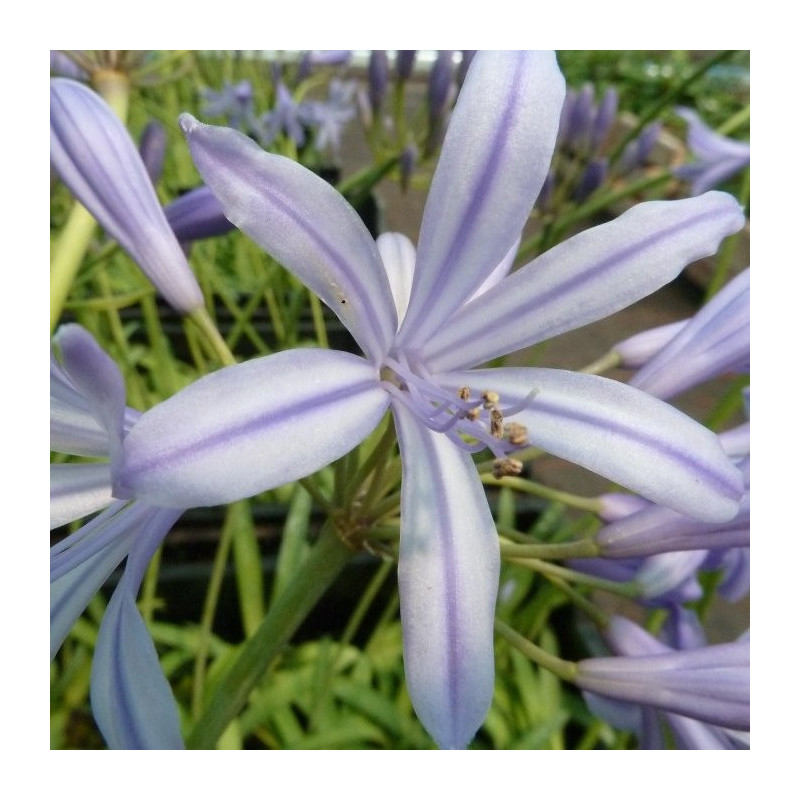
(701, 692)
(717, 157)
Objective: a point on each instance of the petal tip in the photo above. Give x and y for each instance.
(188, 123)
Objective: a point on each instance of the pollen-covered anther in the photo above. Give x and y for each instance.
(464, 393)
(473, 413)
(490, 399)
(504, 467)
(517, 434)
(496, 423)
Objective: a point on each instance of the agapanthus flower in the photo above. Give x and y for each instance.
(131, 699)
(378, 78)
(655, 529)
(153, 148)
(404, 64)
(310, 59)
(259, 424)
(234, 102)
(663, 579)
(717, 157)
(288, 118)
(583, 133)
(637, 152)
(584, 124)
(716, 340)
(329, 117)
(440, 85)
(197, 215)
(63, 66)
(701, 692)
(96, 158)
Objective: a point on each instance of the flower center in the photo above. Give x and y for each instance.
(471, 424)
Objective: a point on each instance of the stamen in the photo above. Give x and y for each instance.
(490, 399)
(496, 423)
(517, 434)
(452, 413)
(503, 467)
(522, 405)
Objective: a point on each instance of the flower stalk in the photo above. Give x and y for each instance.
(325, 562)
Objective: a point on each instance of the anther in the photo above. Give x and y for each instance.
(490, 399)
(464, 393)
(504, 467)
(517, 434)
(496, 423)
(474, 413)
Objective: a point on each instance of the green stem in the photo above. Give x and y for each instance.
(594, 612)
(566, 670)
(147, 603)
(203, 321)
(545, 568)
(540, 490)
(248, 569)
(165, 375)
(735, 121)
(67, 257)
(324, 563)
(610, 360)
(380, 453)
(584, 548)
(319, 498)
(319, 321)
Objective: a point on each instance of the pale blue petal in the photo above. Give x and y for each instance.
(97, 159)
(77, 490)
(197, 215)
(251, 427)
(715, 341)
(97, 378)
(73, 428)
(586, 278)
(705, 176)
(638, 349)
(619, 432)
(736, 441)
(711, 684)
(131, 699)
(448, 577)
(667, 571)
(87, 567)
(499, 272)
(661, 530)
(304, 223)
(398, 256)
(690, 734)
(708, 145)
(494, 160)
